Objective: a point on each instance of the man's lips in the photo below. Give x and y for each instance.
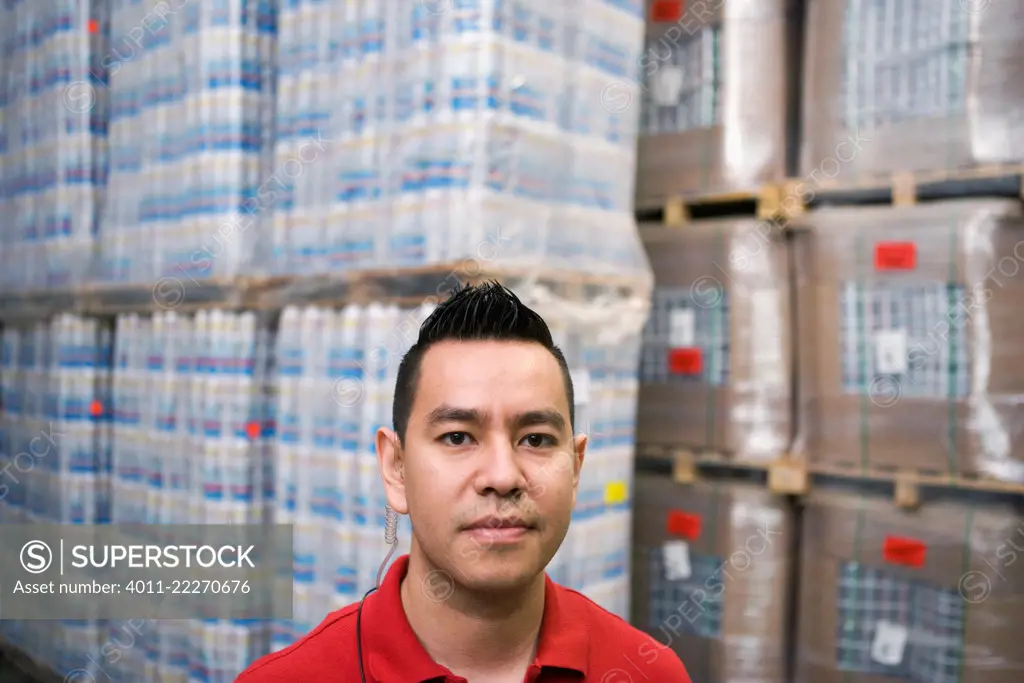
(498, 536)
(495, 523)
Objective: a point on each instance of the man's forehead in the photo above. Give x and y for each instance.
(489, 376)
(499, 354)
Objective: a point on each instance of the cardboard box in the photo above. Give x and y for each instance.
(716, 81)
(716, 366)
(900, 86)
(909, 338)
(713, 565)
(933, 596)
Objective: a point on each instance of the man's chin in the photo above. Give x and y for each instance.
(498, 570)
(505, 581)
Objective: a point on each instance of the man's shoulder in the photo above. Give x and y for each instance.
(321, 652)
(620, 646)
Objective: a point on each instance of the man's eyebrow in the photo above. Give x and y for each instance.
(446, 413)
(531, 418)
(535, 418)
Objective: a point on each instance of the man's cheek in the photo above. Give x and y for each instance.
(429, 524)
(554, 477)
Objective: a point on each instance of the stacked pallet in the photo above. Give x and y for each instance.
(716, 95)
(920, 88)
(848, 369)
(289, 187)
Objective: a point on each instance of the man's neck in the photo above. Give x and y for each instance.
(474, 634)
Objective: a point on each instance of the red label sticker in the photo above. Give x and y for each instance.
(252, 430)
(663, 11)
(683, 524)
(685, 361)
(95, 408)
(906, 551)
(895, 256)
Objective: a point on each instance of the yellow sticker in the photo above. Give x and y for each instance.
(615, 492)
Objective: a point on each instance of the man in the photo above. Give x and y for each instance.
(483, 459)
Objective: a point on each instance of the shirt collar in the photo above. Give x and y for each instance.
(394, 655)
(564, 632)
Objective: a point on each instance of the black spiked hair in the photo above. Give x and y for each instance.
(488, 311)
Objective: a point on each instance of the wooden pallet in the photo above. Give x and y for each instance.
(412, 286)
(908, 485)
(784, 476)
(166, 294)
(912, 187)
(790, 475)
(402, 286)
(767, 203)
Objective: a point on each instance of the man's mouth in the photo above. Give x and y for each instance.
(495, 529)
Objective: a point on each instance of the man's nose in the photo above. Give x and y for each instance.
(500, 470)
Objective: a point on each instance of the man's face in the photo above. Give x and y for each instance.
(489, 465)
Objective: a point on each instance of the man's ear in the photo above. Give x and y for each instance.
(579, 444)
(580, 447)
(391, 459)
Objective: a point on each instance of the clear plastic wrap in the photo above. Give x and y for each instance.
(474, 126)
(716, 87)
(252, 150)
(714, 572)
(917, 86)
(474, 142)
(52, 143)
(191, 117)
(409, 147)
(404, 134)
(908, 328)
(716, 368)
(193, 444)
(283, 418)
(55, 447)
(927, 596)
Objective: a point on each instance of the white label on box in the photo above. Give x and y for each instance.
(682, 332)
(676, 556)
(891, 352)
(580, 386)
(667, 85)
(889, 644)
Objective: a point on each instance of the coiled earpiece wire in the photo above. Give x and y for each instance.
(391, 538)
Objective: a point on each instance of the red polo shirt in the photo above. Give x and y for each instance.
(579, 641)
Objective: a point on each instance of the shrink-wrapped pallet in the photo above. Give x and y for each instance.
(716, 363)
(283, 420)
(716, 83)
(925, 597)
(191, 87)
(714, 564)
(909, 329)
(53, 110)
(903, 86)
(55, 444)
(409, 133)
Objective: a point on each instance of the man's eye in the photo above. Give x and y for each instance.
(539, 440)
(455, 438)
